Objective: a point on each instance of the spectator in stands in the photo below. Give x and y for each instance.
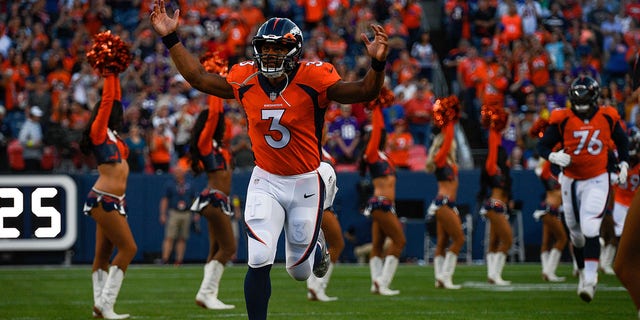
(314, 13)
(426, 55)
(394, 112)
(5, 135)
(175, 214)
(483, 21)
(31, 138)
(344, 136)
(241, 153)
(405, 68)
(184, 121)
(160, 149)
(412, 15)
(398, 144)
(456, 22)
(531, 13)
(138, 150)
(617, 67)
(511, 24)
(470, 74)
(555, 22)
(418, 114)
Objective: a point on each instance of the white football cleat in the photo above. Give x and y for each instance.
(586, 290)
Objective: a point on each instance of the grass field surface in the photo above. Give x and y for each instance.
(167, 292)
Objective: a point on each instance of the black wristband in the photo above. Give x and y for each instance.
(378, 65)
(170, 40)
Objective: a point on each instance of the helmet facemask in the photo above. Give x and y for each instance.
(274, 65)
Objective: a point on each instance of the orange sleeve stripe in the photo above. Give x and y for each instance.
(377, 122)
(99, 127)
(441, 157)
(204, 142)
(492, 158)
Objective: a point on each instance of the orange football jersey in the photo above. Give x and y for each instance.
(587, 142)
(285, 123)
(624, 193)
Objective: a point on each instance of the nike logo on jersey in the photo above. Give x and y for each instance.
(308, 195)
(330, 71)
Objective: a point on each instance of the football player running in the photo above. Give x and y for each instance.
(585, 131)
(285, 101)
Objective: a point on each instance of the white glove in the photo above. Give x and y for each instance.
(560, 158)
(622, 175)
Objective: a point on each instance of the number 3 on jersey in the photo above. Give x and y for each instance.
(275, 115)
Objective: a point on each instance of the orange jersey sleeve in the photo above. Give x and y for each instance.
(285, 123)
(491, 164)
(624, 193)
(215, 110)
(441, 157)
(587, 142)
(110, 92)
(377, 123)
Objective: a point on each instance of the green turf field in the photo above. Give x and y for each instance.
(166, 292)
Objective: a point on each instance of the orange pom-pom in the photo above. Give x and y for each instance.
(538, 128)
(384, 99)
(446, 110)
(494, 117)
(213, 63)
(108, 54)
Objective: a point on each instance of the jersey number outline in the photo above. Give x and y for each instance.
(593, 147)
(274, 116)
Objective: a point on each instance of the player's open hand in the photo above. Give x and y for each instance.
(161, 22)
(379, 47)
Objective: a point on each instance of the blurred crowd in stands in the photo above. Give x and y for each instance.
(518, 53)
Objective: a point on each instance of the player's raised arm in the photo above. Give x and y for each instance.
(367, 88)
(188, 65)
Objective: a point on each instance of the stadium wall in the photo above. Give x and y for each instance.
(415, 190)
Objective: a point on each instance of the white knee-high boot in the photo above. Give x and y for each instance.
(552, 265)
(207, 296)
(438, 261)
(109, 295)
(317, 286)
(375, 265)
(499, 260)
(448, 269)
(490, 266)
(544, 260)
(388, 272)
(99, 278)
